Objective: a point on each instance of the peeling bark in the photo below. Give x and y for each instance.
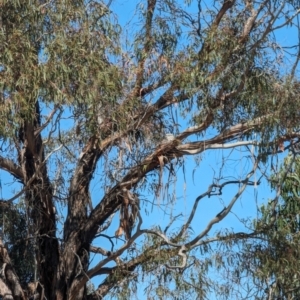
(10, 283)
(5, 292)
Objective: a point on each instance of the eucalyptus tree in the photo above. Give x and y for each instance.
(270, 260)
(277, 258)
(85, 103)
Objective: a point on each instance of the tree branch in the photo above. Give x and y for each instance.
(221, 215)
(210, 192)
(12, 168)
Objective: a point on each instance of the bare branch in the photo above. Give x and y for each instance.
(251, 20)
(182, 253)
(171, 222)
(184, 149)
(206, 48)
(218, 142)
(49, 154)
(9, 166)
(211, 191)
(99, 250)
(80, 281)
(225, 7)
(221, 215)
(287, 21)
(268, 27)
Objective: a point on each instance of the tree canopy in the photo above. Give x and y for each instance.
(98, 118)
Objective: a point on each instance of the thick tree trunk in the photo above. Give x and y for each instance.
(40, 206)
